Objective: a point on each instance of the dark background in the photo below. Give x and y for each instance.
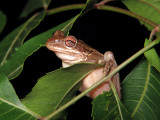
(103, 30)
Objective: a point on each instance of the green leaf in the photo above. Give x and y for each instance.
(10, 106)
(3, 20)
(141, 92)
(152, 56)
(14, 65)
(33, 5)
(10, 43)
(106, 107)
(149, 9)
(56, 88)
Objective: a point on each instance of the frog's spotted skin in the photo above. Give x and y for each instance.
(70, 51)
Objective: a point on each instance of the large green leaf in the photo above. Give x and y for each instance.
(10, 43)
(141, 92)
(32, 5)
(14, 65)
(152, 56)
(56, 88)
(3, 20)
(149, 9)
(10, 106)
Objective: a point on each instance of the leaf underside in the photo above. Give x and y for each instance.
(14, 65)
(141, 92)
(152, 56)
(10, 105)
(56, 88)
(14, 40)
(149, 9)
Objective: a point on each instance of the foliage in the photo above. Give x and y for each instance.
(55, 91)
(141, 96)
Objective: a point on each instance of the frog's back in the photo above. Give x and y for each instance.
(90, 54)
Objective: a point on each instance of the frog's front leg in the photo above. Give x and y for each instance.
(109, 66)
(98, 74)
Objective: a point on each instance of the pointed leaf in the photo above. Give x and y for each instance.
(10, 106)
(141, 92)
(56, 88)
(152, 56)
(3, 20)
(15, 38)
(33, 5)
(149, 9)
(14, 65)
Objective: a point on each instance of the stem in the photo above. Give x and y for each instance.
(116, 97)
(102, 7)
(129, 60)
(126, 12)
(65, 8)
(103, 2)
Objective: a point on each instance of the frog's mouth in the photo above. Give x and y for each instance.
(70, 58)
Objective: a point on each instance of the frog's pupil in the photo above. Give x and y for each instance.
(70, 43)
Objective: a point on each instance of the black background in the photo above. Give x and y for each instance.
(103, 30)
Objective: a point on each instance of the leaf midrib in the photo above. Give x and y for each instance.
(150, 5)
(144, 91)
(16, 38)
(58, 105)
(19, 107)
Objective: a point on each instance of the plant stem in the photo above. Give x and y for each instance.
(65, 8)
(116, 97)
(126, 12)
(129, 60)
(102, 7)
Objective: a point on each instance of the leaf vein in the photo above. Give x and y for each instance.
(143, 93)
(20, 116)
(150, 109)
(7, 111)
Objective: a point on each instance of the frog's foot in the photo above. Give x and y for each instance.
(110, 62)
(110, 66)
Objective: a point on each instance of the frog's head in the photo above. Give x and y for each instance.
(67, 48)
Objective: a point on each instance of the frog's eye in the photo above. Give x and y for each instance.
(70, 41)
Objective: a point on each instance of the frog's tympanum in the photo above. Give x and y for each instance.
(71, 50)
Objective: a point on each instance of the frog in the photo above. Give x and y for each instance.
(72, 50)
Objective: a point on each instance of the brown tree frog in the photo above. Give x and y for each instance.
(71, 50)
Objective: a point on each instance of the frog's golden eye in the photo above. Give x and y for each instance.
(70, 41)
